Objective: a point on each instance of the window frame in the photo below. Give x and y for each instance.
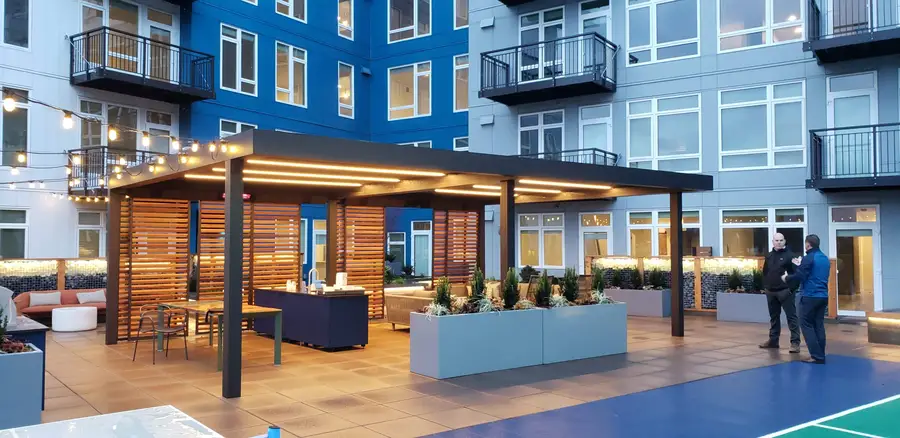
(142, 123)
(608, 229)
(771, 224)
(101, 229)
(290, 4)
(768, 28)
(654, 226)
(292, 60)
(654, 116)
(418, 144)
(239, 80)
(653, 47)
(456, 14)
(240, 126)
(595, 121)
(540, 128)
(459, 149)
(352, 25)
(415, 26)
(352, 105)
(770, 102)
(388, 243)
(541, 229)
(30, 28)
(415, 104)
(457, 68)
(14, 226)
(19, 106)
(304, 230)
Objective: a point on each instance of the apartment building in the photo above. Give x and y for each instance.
(792, 106)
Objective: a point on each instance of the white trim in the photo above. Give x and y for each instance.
(465, 149)
(541, 230)
(771, 224)
(100, 229)
(832, 417)
(767, 29)
(608, 121)
(240, 127)
(605, 11)
(417, 73)
(418, 144)
(352, 24)
(540, 127)
(653, 47)
(875, 228)
(291, 61)
(304, 233)
(412, 240)
(455, 6)
(239, 80)
(30, 31)
(316, 233)
(608, 229)
(141, 124)
(14, 226)
(402, 242)
(291, 5)
(252, 2)
(654, 114)
(415, 25)
(352, 105)
(831, 96)
(654, 226)
(541, 26)
(457, 68)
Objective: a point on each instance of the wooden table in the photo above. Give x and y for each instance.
(216, 309)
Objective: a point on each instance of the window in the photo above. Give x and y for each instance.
(461, 14)
(295, 9)
(749, 232)
(664, 133)
(290, 75)
(461, 83)
(753, 23)
(320, 241)
(596, 234)
(238, 60)
(396, 246)
(345, 90)
(595, 127)
(91, 234)
(461, 144)
(418, 144)
(541, 132)
(345, 18)
(15, 22)
(541, 240)
(410, 88)
(95, 115)
(595, 17)
(159, 126)
(14, 127)
(13, 231)
(539, 61)
(762, 127)
(228, 127)
(408, 19)
(648, 232)
(661, 30)
(304, 228)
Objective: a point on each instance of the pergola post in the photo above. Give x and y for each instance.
(331, 241)
(507, 227)
(113, 240)
(479, 248)
(234, 259)
(676, 248)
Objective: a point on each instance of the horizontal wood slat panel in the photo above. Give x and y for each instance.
(211, 253)
(275, 245)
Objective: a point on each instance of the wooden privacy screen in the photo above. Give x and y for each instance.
(276, 251)
(211, 251)
(154, 254)
(455, 247)
(360, 243)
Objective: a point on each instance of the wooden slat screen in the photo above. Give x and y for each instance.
(361, 252)
(439, 244)
(276, 245)
(124, 317)
(211, 253)
(455, 244)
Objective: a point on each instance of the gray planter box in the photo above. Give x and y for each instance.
(644, 302)
(22, 388)
(442, 347)
(602, 330)
(741, 307)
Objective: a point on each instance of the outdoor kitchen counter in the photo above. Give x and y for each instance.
(326, 321)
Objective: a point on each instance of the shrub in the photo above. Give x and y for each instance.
(407, 270)
(526, 273)
(758, 285)
(597, 282)
(510, 289)
(388, 275)
(570, 284)
(390, 258)
(656, 279)
(544, 290)
(637, 282)
(735, 282)
(442, 293)
(616, 280)
(477, 284)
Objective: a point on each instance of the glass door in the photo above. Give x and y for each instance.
(541, 55)
(852, 109)
(856, 248)
(162, 62)
(421, 248)
(595, 18)
(124, 50)
(596, 238)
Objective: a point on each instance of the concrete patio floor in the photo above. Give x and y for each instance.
(371, 393)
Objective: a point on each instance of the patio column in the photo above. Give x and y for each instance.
(113, 237)
(676, 248)
(479, 248)
(234, 259)
(331, 241)
(507, 227)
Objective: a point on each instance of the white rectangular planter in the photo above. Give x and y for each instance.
(21, 380)
(644, 302)
(742, 307)
(581, 332)
(442, 347)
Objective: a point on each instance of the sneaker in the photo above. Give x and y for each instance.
(814, 361)
(768, 344)
(795, 348)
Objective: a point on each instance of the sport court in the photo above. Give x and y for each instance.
(878, 419)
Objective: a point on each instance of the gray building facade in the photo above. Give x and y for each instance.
(728, 88)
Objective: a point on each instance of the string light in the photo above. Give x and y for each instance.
(9, 104)
(76, 181)
(161, 159)
(112, 134)
(212, 146)
(68, 122)
(118, 176)
(117, 169)
(20, 157)
(224, 146)
(183, 159)
(101, 182)
(145, 138)
(195, 146)
(14, 171)
(122, 161)
(152, 169)
(68, 170)
(76, 160)
(176, 145)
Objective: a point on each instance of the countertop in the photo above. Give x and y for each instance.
(158, 422)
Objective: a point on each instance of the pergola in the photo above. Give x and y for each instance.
(352, 177)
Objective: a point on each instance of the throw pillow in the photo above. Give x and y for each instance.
(44, 299)
(91, 297)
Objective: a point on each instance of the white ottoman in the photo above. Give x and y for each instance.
(74, 319)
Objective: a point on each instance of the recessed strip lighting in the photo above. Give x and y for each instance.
(347, 168)
(540, 182)
(314, 175)
(466, 192)
(296, 182)
(206, 177)
(520, 189)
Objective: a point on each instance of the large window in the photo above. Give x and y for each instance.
(664, 133)
(238, 60)
(345, 90)
(762, 127)
(410, 91)
(345, 18)
(408, 19)
(540, 61)
(295, 9)
(14, 127)
(595, 127)
(396, 246)
(753, 23)
(749, 232)
(648, 233)
(91, 234)
(661, 30)
(541, 132)
(290, 74)
(230, 127)
(461, 14)
(15, 22)
(461, 83)
(127, 121)
(13, 231)
(541, 240)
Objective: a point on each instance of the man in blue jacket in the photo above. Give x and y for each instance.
(812, 273)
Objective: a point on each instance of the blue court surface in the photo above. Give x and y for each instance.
(788, 400)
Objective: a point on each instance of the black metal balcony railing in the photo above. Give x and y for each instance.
(91, 165)
(120, 60)
(850, 29)
(585, 156)
(855, 156)
(565, 62)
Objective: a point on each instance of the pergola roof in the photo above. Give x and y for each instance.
(285, 167)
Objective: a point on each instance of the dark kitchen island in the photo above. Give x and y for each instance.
(328, 321)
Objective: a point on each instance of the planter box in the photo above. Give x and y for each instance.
(742, 307)
(603, 329)
(644, 302)
(442, 347)
(22, 388)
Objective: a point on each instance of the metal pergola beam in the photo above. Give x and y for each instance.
(424, 185)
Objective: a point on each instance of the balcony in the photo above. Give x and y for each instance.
(91, 165)
(841, 30)
(855, 158)
(597, 157)
(572, 66)
(110, 60)
(515, 2)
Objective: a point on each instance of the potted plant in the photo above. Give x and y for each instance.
(22, 365)
(543, 292)
(743, 304)
(653, 300)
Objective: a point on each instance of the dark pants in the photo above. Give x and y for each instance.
(812, 322)
(783, 299)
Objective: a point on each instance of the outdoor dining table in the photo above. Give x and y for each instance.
(216, 309)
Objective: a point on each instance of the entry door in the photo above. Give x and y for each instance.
(852, 102)
(595, 231)
(421, 248)
(543, 56)
(855, 244)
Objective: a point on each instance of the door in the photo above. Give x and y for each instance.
(124, 50)
(855, 245)
(595, 231)
(541, 54)
(595, 18)
(421, 248)
(852, 109)
(162, 60)
(849, 17)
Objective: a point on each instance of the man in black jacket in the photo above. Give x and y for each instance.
(780, 295)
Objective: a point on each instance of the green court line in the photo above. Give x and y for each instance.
(806, 431)
(814, 431)
(882, 420)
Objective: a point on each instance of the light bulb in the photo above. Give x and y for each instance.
(76, 160)
(71, 183)
(224, 147)
(117, 169)
(161, 159)
(9, 104)
(183, 159)
(31, 185)
(14, 171)
(20, 157)
(122, 161)
(70, 197)
(101, 182)
(212, 147)
(68, 122)
(152, 169)
(76, 181)
(68, 170)
(195, 146)
(118, 176)
(97, 199)
(42, 185)
(112, 134)
(106, 199)
(145, 138)
(176, 145)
